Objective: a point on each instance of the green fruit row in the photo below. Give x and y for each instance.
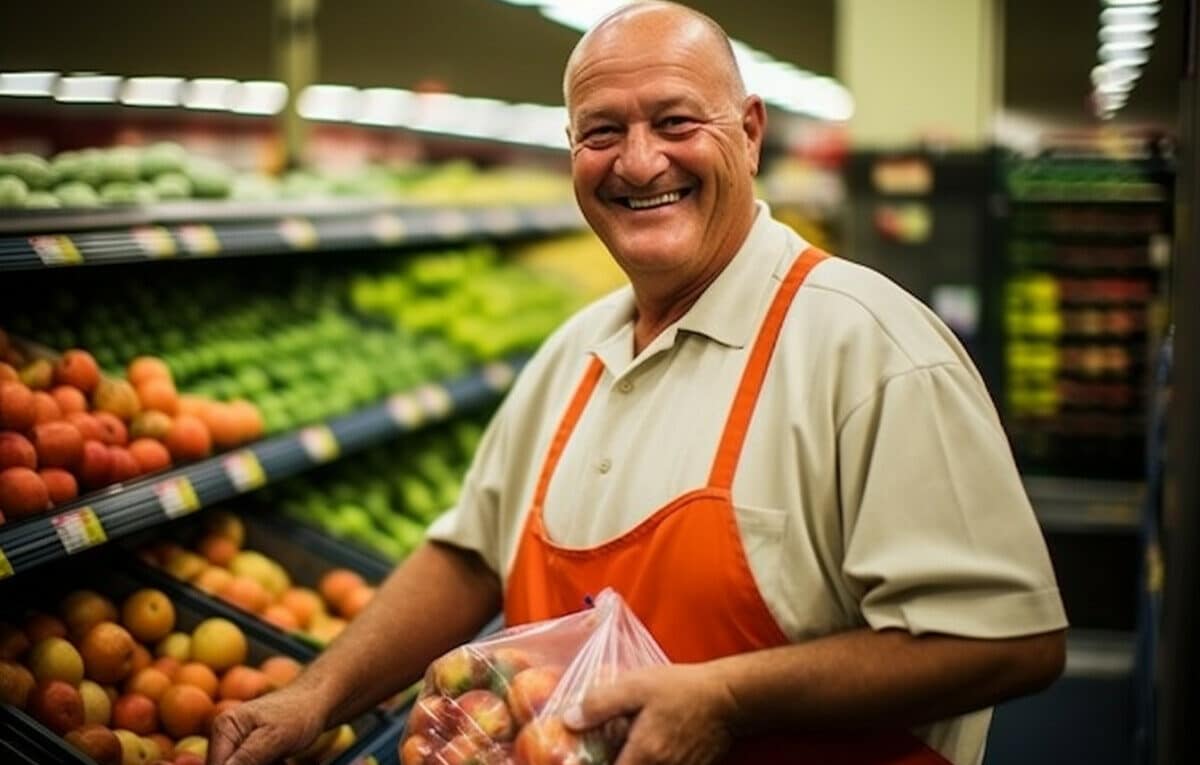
(384, 498)
(124, 175)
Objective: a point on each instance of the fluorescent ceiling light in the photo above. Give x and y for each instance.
(1131, 3)
(257, 97)
(388, 107)
(208, 93)
(339, 103)
(151, 91)
(28, 83)
(87, 88)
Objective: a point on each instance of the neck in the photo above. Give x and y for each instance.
(657, 312)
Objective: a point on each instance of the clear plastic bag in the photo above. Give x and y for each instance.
(500, 701)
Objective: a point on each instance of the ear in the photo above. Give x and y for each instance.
(754, 125)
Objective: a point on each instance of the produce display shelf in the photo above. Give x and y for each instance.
(48, 239)
(1151, 199)
(1080, 505)
(123, 509)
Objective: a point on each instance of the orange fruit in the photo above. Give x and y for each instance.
(337, 583)
(145, 368)
(149, 615)
(150, 682)
(281, 669)
(185, 710)
(199, 675)
(107, 652)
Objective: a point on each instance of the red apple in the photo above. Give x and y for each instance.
(459, 671)
(486, 713)
(530, 690)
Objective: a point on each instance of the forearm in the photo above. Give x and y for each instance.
(865, 679)
(438, 598)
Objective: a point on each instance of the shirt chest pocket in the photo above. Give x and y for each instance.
(762, 532)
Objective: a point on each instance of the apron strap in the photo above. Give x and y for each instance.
(737, 424)
(566, 426)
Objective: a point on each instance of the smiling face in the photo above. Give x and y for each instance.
(664, 145)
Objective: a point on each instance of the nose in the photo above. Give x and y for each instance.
(641, 159)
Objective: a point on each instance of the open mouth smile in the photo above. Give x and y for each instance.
(658, 200)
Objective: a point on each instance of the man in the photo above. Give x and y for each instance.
(788, 467)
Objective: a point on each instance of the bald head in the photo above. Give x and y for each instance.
(664, 26)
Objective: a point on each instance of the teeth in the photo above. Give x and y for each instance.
(661, 199)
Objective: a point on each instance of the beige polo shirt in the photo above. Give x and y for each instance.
(876, 486)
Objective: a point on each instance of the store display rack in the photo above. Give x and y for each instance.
(124, 509)
(55, 238)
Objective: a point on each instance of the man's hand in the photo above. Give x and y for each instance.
(681, 714)
(262, 731)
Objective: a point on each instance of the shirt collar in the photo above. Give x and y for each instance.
(729, 310)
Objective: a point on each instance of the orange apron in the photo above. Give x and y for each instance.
(683, 570)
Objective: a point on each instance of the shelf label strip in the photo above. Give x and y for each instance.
(177, 497)
(388, 228)
(199, 239)
(6, 569)
(244, 470)
(404, 410)
(155, 241)
(79, 529)
(499, 376)
(56, 250)
(299, 233)
(319, 443)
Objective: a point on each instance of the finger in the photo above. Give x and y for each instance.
(228, 731)
(604, 703)
(259, 748)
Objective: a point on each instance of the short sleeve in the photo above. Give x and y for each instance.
(939, 535)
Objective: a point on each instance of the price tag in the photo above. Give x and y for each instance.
(199, 239)
(451, 223)
(435, 400)
(155, 241)
(244, 470)
(177, 497)
(6, 569)
(548, 217)
(498, 376)
(404, 410)
(388, 228)
(299, 233)
(501, 220)
(320, 443)
(78, 529)
(56, 250)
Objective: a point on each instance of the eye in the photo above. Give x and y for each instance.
(676, 123)
(599, 135)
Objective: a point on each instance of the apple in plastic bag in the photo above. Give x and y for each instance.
(530, 690)
(547, 741)
(463, 669)
(416, 748)
(467, 749)
(504, 664)
(486, 713)
(434, 717)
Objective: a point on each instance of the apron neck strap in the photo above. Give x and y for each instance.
(737, 424)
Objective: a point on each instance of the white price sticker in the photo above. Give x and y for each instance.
(244, 470)
(155, 241)
(498, 376)
(57, 250)
(199, 239)
(299, 233)
(320, 443)
(78, 530)
(404, 410)
(177, 497)
(435, 400)
(388, 228)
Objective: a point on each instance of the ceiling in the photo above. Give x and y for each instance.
(483, 47)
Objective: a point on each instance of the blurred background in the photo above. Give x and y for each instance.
(1027, 168)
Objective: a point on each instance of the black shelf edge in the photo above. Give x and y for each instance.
(123, 509)
(1101, 654)
(218, 230)
(1074, 505)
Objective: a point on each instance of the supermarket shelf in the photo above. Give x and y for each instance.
(1157, 199)
(124, 509)
(1099, 654)
(46, 239)
(1081, 505)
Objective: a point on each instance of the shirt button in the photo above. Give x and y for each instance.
(625, 386)
(604, 465)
